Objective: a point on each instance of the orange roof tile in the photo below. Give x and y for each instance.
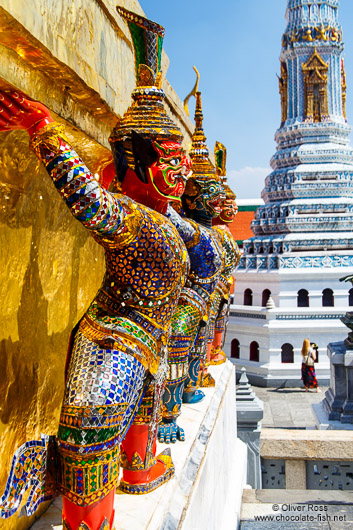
(240, 227)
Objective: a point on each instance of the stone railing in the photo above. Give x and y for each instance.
(306, 459)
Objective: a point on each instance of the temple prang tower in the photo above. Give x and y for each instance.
(303, 241)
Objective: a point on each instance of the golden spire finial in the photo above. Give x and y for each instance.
(199, 153)
(192, 93)
(198, 112)
(199, 150)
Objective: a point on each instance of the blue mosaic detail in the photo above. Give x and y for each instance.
(108, 377)
(323, 262)
(28, 471)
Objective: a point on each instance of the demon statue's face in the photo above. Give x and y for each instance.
(169, 172)
(150, 172)
(205, 196)
(229, 210)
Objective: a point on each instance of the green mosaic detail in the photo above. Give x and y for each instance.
(138, 37)
(185, 320)
(85, 437)
(159, 52)
(148, 47)
(219, 158)
(117, 323)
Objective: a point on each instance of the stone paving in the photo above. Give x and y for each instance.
(288, 408)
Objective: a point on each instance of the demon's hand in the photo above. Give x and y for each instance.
(18, 112)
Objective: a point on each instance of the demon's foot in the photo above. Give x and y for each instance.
(193, 396)
(140, 482)
(170, 433)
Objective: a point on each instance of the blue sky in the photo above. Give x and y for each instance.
(235, 44)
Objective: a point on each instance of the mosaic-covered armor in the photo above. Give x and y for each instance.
(206, 263)
(118, 359)
(126, 327)
(221, 300)
(186, 321)
(124, 332)
(202, 199)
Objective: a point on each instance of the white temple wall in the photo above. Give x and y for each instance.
(248, 334)
(284, 286)
(271, 334)
(257, 282)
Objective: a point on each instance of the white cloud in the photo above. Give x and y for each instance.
(248, 182)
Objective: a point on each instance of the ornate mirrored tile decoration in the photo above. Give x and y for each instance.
(33, 467)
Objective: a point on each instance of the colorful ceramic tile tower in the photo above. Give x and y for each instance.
(303, 239)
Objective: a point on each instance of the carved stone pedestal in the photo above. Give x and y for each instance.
(250, 411)
(336, 410)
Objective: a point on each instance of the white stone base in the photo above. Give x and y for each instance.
(324, 424)
(210, 472)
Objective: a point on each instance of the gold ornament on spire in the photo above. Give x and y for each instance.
(193, 92)
(315, 72)
(220, 153)
(344, 89)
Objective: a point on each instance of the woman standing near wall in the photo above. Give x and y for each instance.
(308, 366)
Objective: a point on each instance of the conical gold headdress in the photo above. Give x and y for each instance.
(201, 166)
(146, 116)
